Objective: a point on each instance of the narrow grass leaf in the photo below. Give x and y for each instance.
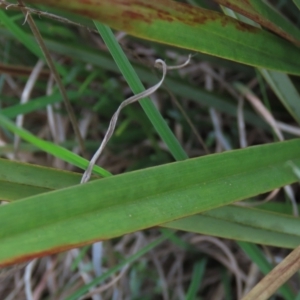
(285, 90)
(226, 282)
(51, 148)
(19, 34)
(258, 219)
(137, 87)
(35, 104)
(198, 272)
(116, 268)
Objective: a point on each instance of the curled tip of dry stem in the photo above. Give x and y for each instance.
(159, 63)
(26, 17)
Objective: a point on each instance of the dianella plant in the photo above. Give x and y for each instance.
(144, 142)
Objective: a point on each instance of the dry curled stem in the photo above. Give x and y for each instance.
(158, 64)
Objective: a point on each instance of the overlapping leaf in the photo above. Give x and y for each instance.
(253, 225)
(113, 206)
(240, 223)
(189, 27)
(265, 15)
(280, 83)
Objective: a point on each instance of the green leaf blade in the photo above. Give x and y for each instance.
(265, 15)
(111, 207)
(51, 148)
(192, 28)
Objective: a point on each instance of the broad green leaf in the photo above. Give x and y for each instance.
(16, 184)
(189, 27)
(113, 206)
(264, 14)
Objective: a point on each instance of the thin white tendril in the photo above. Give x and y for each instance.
(158, 64)
(10, 5)
(26, 17)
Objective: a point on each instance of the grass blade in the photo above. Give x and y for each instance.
(209, 223)
(115, 269)
(19, 34)
(79, 215)
(137, 87)
(35, 104)
(218, 222)
(265, 15)
(178, 24)
(51, 148)
(198, 272)
(280, 83)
